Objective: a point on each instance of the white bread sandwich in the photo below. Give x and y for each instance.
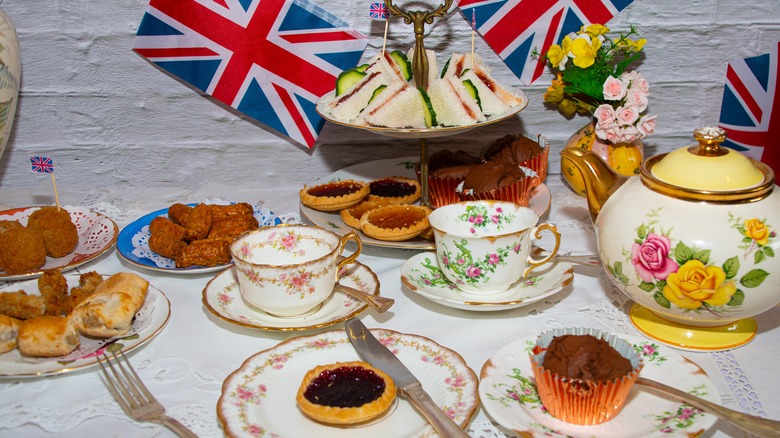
(453, 103)
(460, 64)
(507, 96)
(488, 100)
(433, 69)
(400, 105)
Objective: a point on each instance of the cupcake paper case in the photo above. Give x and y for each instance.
(578, 401)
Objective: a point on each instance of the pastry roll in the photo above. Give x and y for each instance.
(110, 310)
(47, 336)
(9, 328)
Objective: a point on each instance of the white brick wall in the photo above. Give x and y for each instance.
(108, 117)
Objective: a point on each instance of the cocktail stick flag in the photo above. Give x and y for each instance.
(42, 164)
(269, 59)
(514, 28)
(378, 11)
(748, 112)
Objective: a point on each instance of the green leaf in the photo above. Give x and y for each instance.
(731, 267)
(768, 251)
(736, 299)
(682, 253)
(642, 231)
(618, 268)
(702, 255)
(746, 240)
(647, 287)
(661, 284)
(611, 271)
(623, 279)
(754, 278)
(758, 257)
(662, 301)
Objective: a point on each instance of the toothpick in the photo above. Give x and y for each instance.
(473, 31)
(56, 195)
(384, 40)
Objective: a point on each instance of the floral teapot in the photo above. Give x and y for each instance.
(693, 237)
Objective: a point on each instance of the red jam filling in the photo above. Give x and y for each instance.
(334, 190)
(345, 387)
(391, 188)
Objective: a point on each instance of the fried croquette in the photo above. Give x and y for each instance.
(21, 250)
(54, 290)
(205, 252)
(165, 225)
(221, 212)
(178, 213)
(9, 225)
(60, 235)
(20, 305)
(166, 245)
(198, 223)
(232, 226)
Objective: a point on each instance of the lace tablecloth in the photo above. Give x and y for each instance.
(185, 365)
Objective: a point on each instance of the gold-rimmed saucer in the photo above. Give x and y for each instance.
(222, 298)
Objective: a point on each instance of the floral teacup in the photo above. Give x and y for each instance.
(288, 270)
(484, 246)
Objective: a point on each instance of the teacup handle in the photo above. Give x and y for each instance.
(533, 263)
(351, 258)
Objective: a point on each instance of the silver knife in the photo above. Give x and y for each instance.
(373, 352)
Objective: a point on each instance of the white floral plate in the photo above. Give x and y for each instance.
(508, 394)
(539, 201)
(258, 399)
(133, 244)
(222, 298)
(421, 274)
(97, 234)
(147, 323)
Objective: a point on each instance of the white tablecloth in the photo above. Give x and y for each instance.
(185, 365)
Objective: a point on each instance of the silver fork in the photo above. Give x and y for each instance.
(131, 394)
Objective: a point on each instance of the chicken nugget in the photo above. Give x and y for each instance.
(60, 235)
(220, 212)
(205, 252)
(164, 225)
(21, 250)
(232, 226)
(8, 225)
(54, 290)
(20, 305)
(178, 213)
(198, 223)
(166, 244)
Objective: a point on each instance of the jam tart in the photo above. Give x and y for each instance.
(335, 195)
(394, 190)
(351, 216)
(395, 222)
(345, 393)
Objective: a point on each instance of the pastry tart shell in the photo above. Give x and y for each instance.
(357, 190)
(395, 222)
(351, 215)
(406, 199)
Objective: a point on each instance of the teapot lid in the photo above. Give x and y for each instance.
(707, 166)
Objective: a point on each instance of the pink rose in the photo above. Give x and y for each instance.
(646, 125)
(641, 84)
(613, 89)
(627, 115)
(637, 98)
(609, 133)
(605, 115)
(651, 258)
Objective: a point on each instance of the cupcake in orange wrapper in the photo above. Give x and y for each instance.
(497, 180)
(526, 152)
(446, 170)
(583, 376)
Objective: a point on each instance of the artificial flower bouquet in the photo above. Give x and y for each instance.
(591, 79)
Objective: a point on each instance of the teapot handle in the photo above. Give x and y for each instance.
(537, 234)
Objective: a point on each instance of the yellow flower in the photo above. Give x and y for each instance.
(694, 284)
(756, 230)
(585, 50)
(558, 55)
(594, 30)
(554, 92)
(630, 45)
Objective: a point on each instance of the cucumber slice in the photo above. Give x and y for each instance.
(403, 64)
(376, 92)
(472, 91)
(362, 68)
(446, 66)
(428, 112)
(347, 79)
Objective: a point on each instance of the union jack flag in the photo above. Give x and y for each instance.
(269, 59)
(514, 28)
(378, 10)
(747, 112)
(42, 164)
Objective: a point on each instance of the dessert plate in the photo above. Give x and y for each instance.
(259, 397)
(421, 274)
(443, 131)
(222, 298)
(539, 201)
(97, 234)
(509, 396)
(147, 323)
(133, 244)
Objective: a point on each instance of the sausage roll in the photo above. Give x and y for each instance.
(110, 310)
(9, 328)
(47, 336)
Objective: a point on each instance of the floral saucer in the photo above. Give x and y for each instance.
(509, 396)
(258, 399)
(222, 298)
(421, 274)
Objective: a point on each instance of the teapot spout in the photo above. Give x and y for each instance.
(599, 179)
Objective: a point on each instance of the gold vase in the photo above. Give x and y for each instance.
(624, 158)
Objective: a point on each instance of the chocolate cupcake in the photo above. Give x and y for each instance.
(583, 376)
(497, 180)
(447, 169)
(528, 153)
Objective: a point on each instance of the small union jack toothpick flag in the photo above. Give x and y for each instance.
(378, 11)
(748, 112)
(42, 164)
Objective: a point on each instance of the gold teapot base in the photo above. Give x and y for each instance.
(689, 337)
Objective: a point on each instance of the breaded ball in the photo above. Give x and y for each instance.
(21, 250)
(9, 225)
(59, 233)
